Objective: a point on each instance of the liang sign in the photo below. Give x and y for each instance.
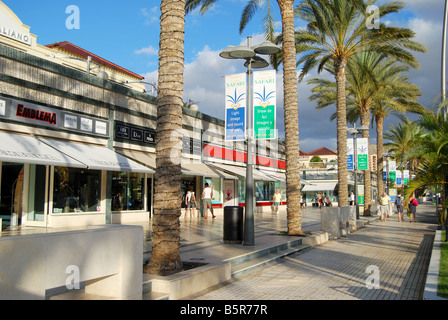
(11, 27)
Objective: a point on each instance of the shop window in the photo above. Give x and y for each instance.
(76, 190)
(215, 183)
(264, 191)
(281, 186)
(11, 192)
(128, 191)
(36, 193)
(242, 189)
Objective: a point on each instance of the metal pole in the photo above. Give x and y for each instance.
(249, 233)
(355, 167)
(445, 21)
(445, 109)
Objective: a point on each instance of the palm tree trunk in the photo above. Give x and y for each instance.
(380, 151)
(165, 257)
(365, 121)
(294, 215)
(341, 110)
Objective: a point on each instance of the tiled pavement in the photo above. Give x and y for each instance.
(396, 254)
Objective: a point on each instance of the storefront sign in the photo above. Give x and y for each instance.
(132, 133)
(235, 122)
(42, 116)
(265, 104)
(10, 29)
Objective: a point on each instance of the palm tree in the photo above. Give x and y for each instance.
(369, 79)
(362, 88)
(398, 96)
(165, 257)
(290, 85)
(403, 144)
(433, 149)
(336, 31)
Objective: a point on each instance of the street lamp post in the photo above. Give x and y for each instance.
(253, 61)
(355, 131)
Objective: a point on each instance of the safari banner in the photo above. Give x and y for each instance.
(265, 105)
(236, 107)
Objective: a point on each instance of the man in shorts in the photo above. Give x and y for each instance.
(277, 199)
(384, 206)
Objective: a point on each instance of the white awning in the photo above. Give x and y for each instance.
(241, 171)
(320, 186)
(96, 157)
(204, 170)
(19, 148)
(145, 158)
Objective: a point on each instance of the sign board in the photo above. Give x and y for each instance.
(362, 152)
(12, 28)
(392, 171)
(50, 117)
(399, 178)
(406, 177)
(236, 100)
(265, 98)
(132, 133)
(360, 194)
(350, 164)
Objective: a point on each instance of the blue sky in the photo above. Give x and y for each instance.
(127, 32)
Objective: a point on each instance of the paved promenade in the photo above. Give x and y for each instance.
(391, 257)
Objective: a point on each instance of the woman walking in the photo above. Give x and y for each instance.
(413, 203)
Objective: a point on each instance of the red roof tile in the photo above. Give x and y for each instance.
(321, 151)
(70, 47)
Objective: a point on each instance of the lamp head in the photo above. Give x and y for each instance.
(267, 47)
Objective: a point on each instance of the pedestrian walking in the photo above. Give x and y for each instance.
(412, 204)
(320, 198)
(302, 204)
(207, 195)
(399, 203)
(190, 201)
(277, 199)
(352, 198)
(384, 206)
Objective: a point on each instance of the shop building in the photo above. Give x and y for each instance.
(77, 140)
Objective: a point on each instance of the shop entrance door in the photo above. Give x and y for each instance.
(229, 193)
(37, 195)
(11, 194)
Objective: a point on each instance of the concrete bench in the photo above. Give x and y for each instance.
(338, 221)
(108, 259)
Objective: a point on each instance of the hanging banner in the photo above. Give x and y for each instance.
(399, 178)
(350, 165)
(392, 171)
(236, 107)
(363, 153)
(406, 177)
(265, 99)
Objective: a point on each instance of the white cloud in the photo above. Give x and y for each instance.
(150, 51)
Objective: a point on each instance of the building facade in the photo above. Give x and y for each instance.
(77, 140)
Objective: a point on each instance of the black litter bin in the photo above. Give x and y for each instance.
(233, 224)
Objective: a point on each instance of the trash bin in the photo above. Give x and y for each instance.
(233, 224)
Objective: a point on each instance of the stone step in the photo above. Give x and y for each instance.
(255, 263)
(155, 296)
